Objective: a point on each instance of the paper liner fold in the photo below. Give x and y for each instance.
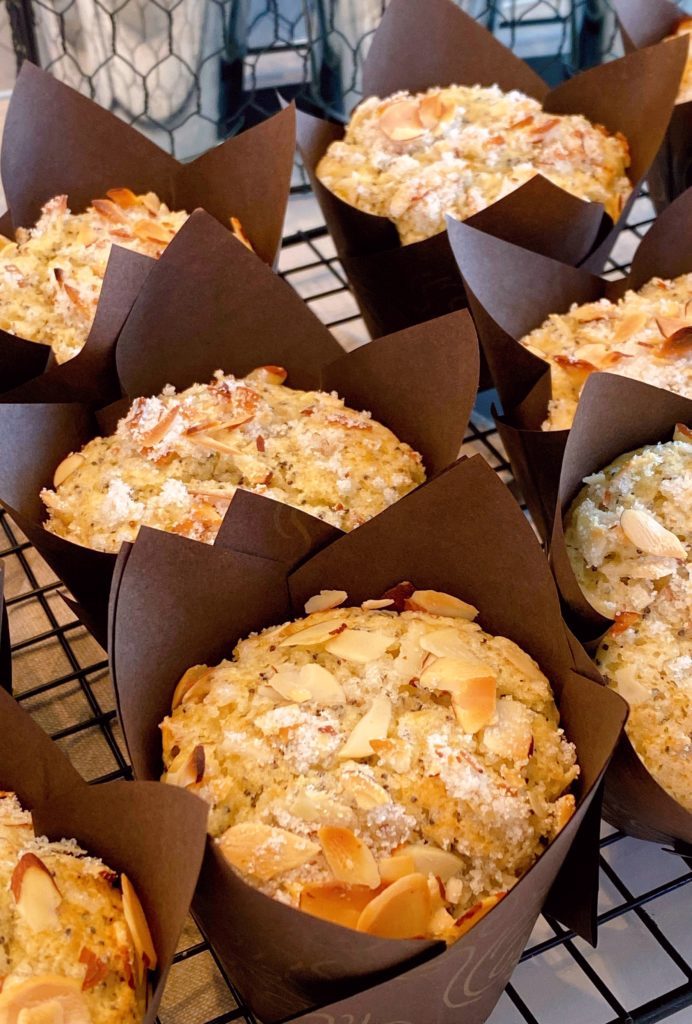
(230, 312)
(57, 141)
(533, 287)
(462, 532)
(398, 285)
(617, 415)
(645, 23)
(152, 833)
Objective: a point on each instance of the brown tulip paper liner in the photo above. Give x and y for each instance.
(511, 291)
(617, 415)
(57, 141)
(5, 649)
(229, 311)
(398, 285)
(645, 23)
(461, 533)
(155, 837)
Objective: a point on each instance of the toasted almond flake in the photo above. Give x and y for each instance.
(629, 687)
(591, 311)
(670, 325)
(264, 851)
(268, 374)
(472, 685)
(108, 209)
(325, 600)
(312, 636)
(393, 868)
(430, 111)
(152, 231)
(335, 901)
(136, 921)
(564, 809)
(44, 999)
(441, 922)
(187, 771)
(682, 433)
(123, 197)
(401, 911)
(320, 684)
(349, 859)
(466, 922)
(151, 202)
(678, 344)
(238, 232)
(445, 643)
(365, 791)
(36, 895)
(212, 444)
(399, 594)
(624, 621)
(510, 735)
(594, 353)
(454, 888)
(578, 369)
(437, 603)
(313, 805)
(75, 298)
(430, 860)
(188, 680)
(373, 605)
(96, 968)
(359, 645)
(67, 467)
(401, 122)
(158, 432)
(648, 535)
(374, 725)
(628, 326)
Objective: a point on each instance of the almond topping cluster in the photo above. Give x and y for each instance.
(647, 336)
(388, 767)
(628, 536)
(52, 273)
(176, 460)
(414, 158)
(75, 947)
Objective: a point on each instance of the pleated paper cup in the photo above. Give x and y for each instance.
(512, 291)
(421, 45)
(5, 650)
(209, 304)
(645, 23)
(617, 415)
(152, 833)
(57, 141)
(471, 540)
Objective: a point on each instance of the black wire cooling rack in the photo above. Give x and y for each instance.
(61, 678)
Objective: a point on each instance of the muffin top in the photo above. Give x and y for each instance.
(685, 90)
(628, 537)
(646, 335)
(390, 767)
(414, 158)
(74, 944)
(176, 460)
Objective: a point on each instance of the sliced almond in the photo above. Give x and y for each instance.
(393, 868)
(682, 433)
(631, 324)
(136, 921)
(430, 111)
(372, 605)
(238, 232)
(564, 809)
(649, 536)
(401, 911)
(591, 311)
(365, 791)
(325, 600)
(670, 325)
(49, 998)
(438, 603)
(321, 685)
(401, 122)
(623, 622)
(313, 805)
(466, 922)
(187, 771)
(192, 676)
(678, 344)
(67, 467)
(445, 643)
(158, 432)
(151, 202)
(374, 725)
(313, 636)
(264, 851)
(511, 734)
(268, 375)
(593, 353)
(359, 645)
(335, 901)
(96, 968)
(108, 209)
(212, 444)
(285, 683)
(430, 860)
(152, 231)
(472, 685)
(349, 859)
(36, 895)
(123, 197)
(628, 686)
(441, 923)
(520, 659)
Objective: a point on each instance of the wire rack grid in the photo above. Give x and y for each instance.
(641, 971)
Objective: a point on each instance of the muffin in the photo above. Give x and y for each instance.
(414, 158)
(628, 537)
(646, 335)
(74, 943)
(51, 275)
(176, 460)
(685, 91)
(389, 767)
